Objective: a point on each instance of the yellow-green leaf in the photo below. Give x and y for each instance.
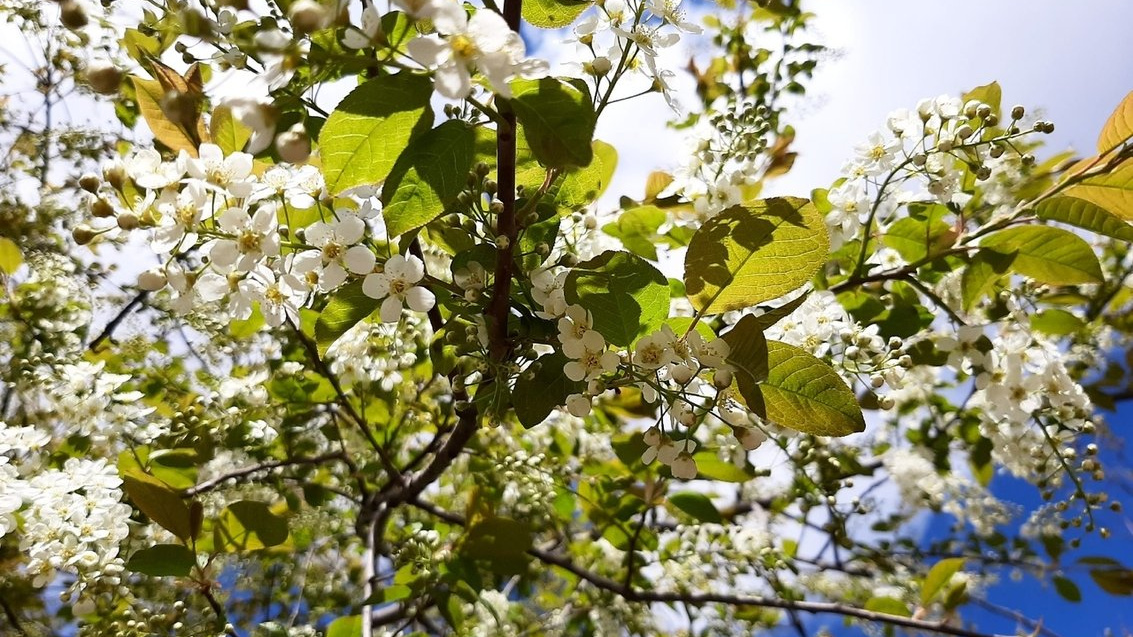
(807, 395)
(1112, 191)
(228, 132)
(173, 135)
(888, 606)
(10, 256)
(558, 120)
(249, 525)
(160, 502)
(984, 270)
(163, 560)
(1045, 254)
(427, 176)
(346, 308)
(1119, 128)
(1085, 215)
(938, 577)
(553, 14)
(754, 253)
(364, 136)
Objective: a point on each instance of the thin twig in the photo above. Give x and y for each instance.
(209, 485)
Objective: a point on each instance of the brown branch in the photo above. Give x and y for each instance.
(631, 594)
(13, 618)
(108, 331)
(209, 485)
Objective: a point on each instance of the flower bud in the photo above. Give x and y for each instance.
(90, 182)
(1017, 111)
(83, 234)
(103, 77)
(308, 16)
(72, 16)
(682, 374)
(128, 221)
(983, 111)
(886, 403)
(152, 280)
(115, 175)
(722, 379)
(293, 145)
(101, 208)
(502, 242)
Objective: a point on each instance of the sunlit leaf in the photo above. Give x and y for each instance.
(365, 135)
(807, 395)
(754, 253)
(1118, 128)
(427, 176)
(627, 296)
(558, 120)
(1048, 255)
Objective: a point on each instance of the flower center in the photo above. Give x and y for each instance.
(248, 241)
(332, 251)
(463, 47)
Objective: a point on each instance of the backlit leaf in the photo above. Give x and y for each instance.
(347, 306)
(1119, 128)
(427, 176)
(1048, 255)
(1083, 214)
(160, 502)
(807, 395)
(628, 297)
(754, 253)
(365, 135)
(558, 121)
(553, 14)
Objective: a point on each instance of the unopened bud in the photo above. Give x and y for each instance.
(101, 208)
(1017, 111)
(128, 221)
(722, 379)
(115, 175)
(83, 234)
(308, 16)
(90, 182)
(152, 280)
(103, 77)
(503, 242)
(293, 145)
(72, 16)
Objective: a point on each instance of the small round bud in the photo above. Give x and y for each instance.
(682, 374)
(481, 169)
(90, 182)
(970, 108)
(496, 208)
(103, 77)
(991, 120)
(919, 159)
(491, 187)
(308, 16)
(1028, 159)
(600, 66)
(72, 15)
(542, 249)
(1017, 111)
(503, 242)
(530, 219)
(983, 111)
(83, 234)
(886, 403)
(944, 145)
(101, 208)
(568, 261)
(293, 145)
(983, 173)
(964, 132)
(590, 223)
(152, 280)
(115, 175)
(128, 221)
(996, 151)
(876, 381)
(722, 379)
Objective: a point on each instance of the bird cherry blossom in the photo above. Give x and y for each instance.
(397, 285)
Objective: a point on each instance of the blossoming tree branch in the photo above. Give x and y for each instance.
(400, 363)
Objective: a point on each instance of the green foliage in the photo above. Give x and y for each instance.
(10, 256)
(628, 297)
(697, 505)
(1047, 255)
(754, 253)
(748, 357)
(160, 502)
(346, 308)
(1085, 215)
(162, 560)
(805, 394)
(364, 137)
(427, 176)
(553, 14)
(535, 397)
(558, 119)
(938, 577)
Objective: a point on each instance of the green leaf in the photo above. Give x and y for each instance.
(558, 120)
(1112, 191)
(350, 626)
(709, 466)
(10, 256)
(581, 187)
(1047, 255)
(249, 525)
(346, 308)
(1088, 216)
(990, 94)
(984, 270)
(1119, 128)
(427, 177)
(805, 394)
(1067, 589)
(915, 239)
(160, 502)
(501, 541)
(938, 577)
(888, 606)
(536, 398)
(163, 560)
(754, 253)
(637, 229)
(553, 14)
(1115, 581)
(387, 595)
(1056, 322)
(364, 136)
(748, 356)
(697, 505)
(228, 132)
(627, 296)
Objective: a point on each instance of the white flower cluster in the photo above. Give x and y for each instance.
(628, 36)
(460, 47)
(918, 481)
(67, 520)
(376, 352)
(215, 205)
(709, 556)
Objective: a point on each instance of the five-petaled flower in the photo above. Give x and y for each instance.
(397, 284)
